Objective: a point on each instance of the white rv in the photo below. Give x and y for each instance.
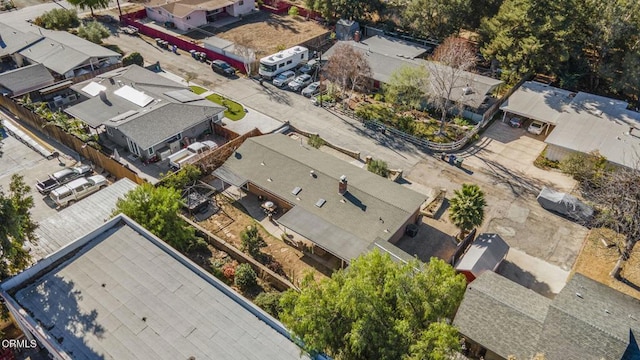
(284, 60)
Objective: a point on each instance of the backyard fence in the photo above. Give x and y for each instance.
(213, 159)
(462, 247)
(264, 272)
(86, 150)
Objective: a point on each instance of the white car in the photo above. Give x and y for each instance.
(312, 89)
(77, 190)
(284, 78)
(300, 82)
(537, 127)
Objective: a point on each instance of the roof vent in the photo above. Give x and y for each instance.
(312, 174)
(269, 179)
(320, 202)
(467, 90)
(579, 295)
(296, 190)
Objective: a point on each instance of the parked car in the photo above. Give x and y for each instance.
(565, 205)
(300, 82)
(62, 177)
(284, 78)
(537, 127)
(516, 122)
(77, 190)
(222, 68)
(180, 157)
(312, 89)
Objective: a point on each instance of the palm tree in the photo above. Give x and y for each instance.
(467, 208)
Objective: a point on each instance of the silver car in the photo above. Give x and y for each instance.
(284, 78)
(312, 89)
(300, 82)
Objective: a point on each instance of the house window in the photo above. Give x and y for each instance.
(188, 17)
(281, 65)
(302, 56)
(151, 151)
(289, 62)
(109, 131)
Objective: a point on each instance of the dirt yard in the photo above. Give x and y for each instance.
(231, 220)
(268, 33)
(596, 261)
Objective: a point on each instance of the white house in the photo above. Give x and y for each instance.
(188, 14)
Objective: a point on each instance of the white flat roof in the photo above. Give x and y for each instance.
(135, 96)
(538, 101)
(93, 88)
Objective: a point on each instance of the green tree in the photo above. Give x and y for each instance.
(466, 209)
(378, 309)
(16, 227)
(133, 59)
(315, 141)
(436, 18)
(156, 209)
(246, 278)
(58, 19)
(94, 32)
(378, 167)
(588, 169)
(252, 241)
(187, 175)
(90, 4)
(269, 302)
(346, 9)
(529, 36)
(407, 86)
(294, 11)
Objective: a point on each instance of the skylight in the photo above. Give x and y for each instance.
(93, 88)
(135, 96)
(321, 202)
(297, 190)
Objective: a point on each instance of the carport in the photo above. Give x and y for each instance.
(537, 101)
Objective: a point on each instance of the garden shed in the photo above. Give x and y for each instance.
(346, 29)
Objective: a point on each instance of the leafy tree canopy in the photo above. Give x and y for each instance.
(378, 167)
(16, 227)
(58, 19)
(407, 86)
(94, 32)
(90, 4)
(378, 309)
(436, 18)
(156, 209)
(345, 9)
(133, 58)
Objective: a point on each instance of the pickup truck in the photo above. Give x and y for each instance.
(62, 177)
(77, 189)
(180, 157)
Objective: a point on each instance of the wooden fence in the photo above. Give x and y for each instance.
(212, 160)
(88, 151)
(264, 272)
(462, 247)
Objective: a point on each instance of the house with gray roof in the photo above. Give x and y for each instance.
(579, 122)
(585, 321)
(142, 111)
(387, 55)
(119, 292)
(342, 209)
(24, 80)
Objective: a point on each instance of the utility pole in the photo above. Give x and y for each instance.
(320, 74)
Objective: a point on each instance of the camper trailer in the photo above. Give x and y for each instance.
(284, 60)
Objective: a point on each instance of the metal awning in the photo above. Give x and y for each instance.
(228, 176)
(56, 86)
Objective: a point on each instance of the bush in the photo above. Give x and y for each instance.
(94, 32)
(378, 97)
(378, 167)
(133, 58)
(246, 277)
(375, 112)
(269, 302)
(588, 169)
(315, 141)
(294, 11)
(276, 267)
(252, 241)
(462, 121)
(58, 19)
(229, 272)
(187, 175)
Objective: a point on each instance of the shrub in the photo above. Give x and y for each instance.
(294, 11)
(461, 121)
(246, 277)
(58, 19)
(315, 141)
(133, 58)
(378, 97)
(94, 32)
(188, 174)
(276, 267)
(588, 169)
(375, 112)
(378, 167)
(229, 272)
(269, 302)
(252, 241)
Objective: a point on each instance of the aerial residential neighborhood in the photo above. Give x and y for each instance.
(289, 179)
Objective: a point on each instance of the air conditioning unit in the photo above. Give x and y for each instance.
(72, 97)
(58, 103)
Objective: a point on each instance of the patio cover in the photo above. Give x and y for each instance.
(228, 176)
(326, 235)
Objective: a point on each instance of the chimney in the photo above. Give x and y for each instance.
(342, 185)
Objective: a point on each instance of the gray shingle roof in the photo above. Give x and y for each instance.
(502, 316)
(121, 293)
(25, 79)
(373, 208)
(589, 320)
(164, 121)
(12, 40)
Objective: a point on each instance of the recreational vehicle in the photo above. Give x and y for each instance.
(284, 60)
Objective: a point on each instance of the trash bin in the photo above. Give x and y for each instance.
(452, 159)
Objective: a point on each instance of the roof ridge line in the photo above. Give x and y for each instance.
(300, 162)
